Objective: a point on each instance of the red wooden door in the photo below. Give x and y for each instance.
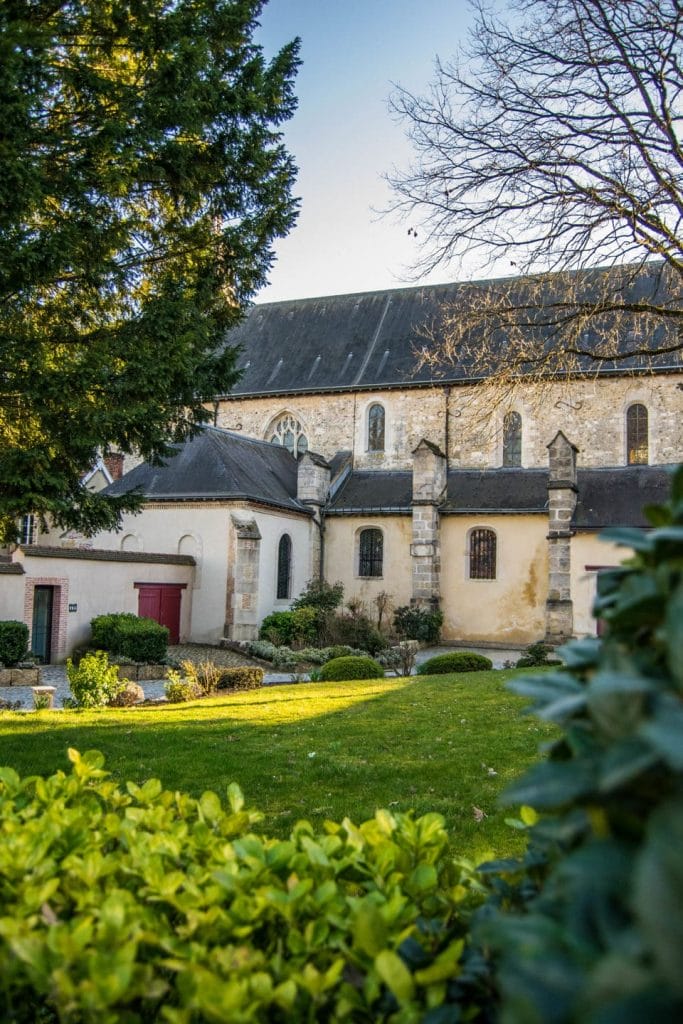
(161, 602)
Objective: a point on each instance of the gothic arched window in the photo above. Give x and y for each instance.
(376, 428)
(287, 431)
(284, 567)
(637, 453)
(482, 555)
(512, 439)
(370, 553)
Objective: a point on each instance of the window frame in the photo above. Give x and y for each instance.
(28, 530)
(512, 442)
(482, 553)
(283, 577)
(372, 559)
(287, 423)
(637, 445)
(376, 437)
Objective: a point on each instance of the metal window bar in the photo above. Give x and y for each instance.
(371, 553)
(482, 555)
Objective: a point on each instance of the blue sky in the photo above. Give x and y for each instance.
(343, 137)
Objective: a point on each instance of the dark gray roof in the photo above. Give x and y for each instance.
(363, 340)
(469, 490)
(607, 497)
(219, 465)
(616, 496)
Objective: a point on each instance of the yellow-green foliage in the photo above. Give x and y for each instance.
(243, 677)
(340, 669)
(142, 904)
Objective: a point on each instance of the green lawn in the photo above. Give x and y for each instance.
(316, 750)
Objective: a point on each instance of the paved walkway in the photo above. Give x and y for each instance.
(55, 675)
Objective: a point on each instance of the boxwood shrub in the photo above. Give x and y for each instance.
(138, 639)
(243, 677)
(13, 642)
(135, 904)
(342, 669)
(454, 661)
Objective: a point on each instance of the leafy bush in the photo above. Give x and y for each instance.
(262, 649)
(326, 597)
(356, 631)
(204, 675)
(244, 677)
(454, 661)
(148, 905)
(130, 693)
(597, 934)
(294, 627)
(179, 689)
(138, 639)
(415, 623)
(343, 669)
(13, 642)
(536, 654)
(93, 682)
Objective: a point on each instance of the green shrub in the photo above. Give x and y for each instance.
(13, 642)
(343, 669)
(596, 934)
(93, 682)
(135, 904)
(536, 654)
(325, 597)
(415, 623)
(261, 649)
(138, 639)
(277, 628)
(454, 661)
(356, 631)
(244, 677)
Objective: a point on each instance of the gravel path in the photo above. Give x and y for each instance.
(55, 675)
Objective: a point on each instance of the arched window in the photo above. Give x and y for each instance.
(637, 453)
(376, 428)
(370, 553)
(512, 439)
(284, 567)
(482, 555)
(287, 431)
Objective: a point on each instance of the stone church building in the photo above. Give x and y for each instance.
(335, 457)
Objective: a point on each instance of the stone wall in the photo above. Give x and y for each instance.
(592, 412)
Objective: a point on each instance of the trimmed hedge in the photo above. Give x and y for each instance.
(13, 642)
(244, 677)
(455, 661)
(144, 905)
(138, 639)
(343, 669)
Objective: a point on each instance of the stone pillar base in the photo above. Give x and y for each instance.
(559, 621)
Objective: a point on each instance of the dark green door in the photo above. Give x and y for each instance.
(41, 634)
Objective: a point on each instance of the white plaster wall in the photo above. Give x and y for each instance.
(12, 597)
(272, 525)
(588, 549)
(509, 609)
(341, 558)
(98, 587)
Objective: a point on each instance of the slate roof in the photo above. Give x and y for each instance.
(616, 496)
(362, 340)
(606, 497)
(219, 465)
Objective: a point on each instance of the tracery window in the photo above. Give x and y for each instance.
(637, 453)
(376, 428)
(370, 553)
(284, 567)
(482, 555)
(287, 431)
(512, 439)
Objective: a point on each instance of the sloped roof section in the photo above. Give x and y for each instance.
(616, 497)
(370, 339)
(219, 465)
(606, 497)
